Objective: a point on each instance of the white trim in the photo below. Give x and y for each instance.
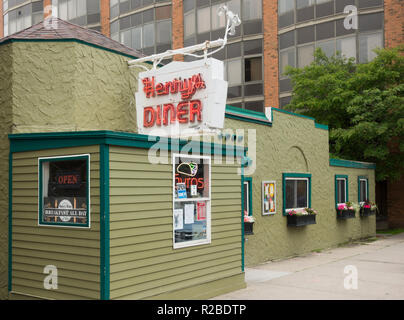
(245, 183)
(366, 189)
(307, 194)
(89, 191)
(345, 195)
(208, 239)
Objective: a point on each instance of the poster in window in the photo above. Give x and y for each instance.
(201, 211)
(268, 197)
(64, 191)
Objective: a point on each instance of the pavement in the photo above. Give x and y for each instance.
(363, 270)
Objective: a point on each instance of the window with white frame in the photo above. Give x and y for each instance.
(191, 200)
(296, 191)
(363, 189)
(341, 189)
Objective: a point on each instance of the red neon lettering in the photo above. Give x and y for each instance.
(158, 120)
(161, 89)
(182, 110)
(169, 107)
(186, 111)
(148, 87)
(187, 87)
(195, 108)
(201, 183)
(149, 117)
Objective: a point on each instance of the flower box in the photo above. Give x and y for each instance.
(301, 220)
(366, 212)
(248, 228)
(345, 214)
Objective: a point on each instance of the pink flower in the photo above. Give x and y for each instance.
(342, 206)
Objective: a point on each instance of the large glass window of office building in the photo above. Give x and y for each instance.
(21, 14)
(81, 12)
(327, 31)
(243, 54)
(143, 25)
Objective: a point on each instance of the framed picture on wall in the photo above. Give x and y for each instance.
(268, 197)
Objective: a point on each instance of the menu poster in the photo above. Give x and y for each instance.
(268, 197)
(178, 219)
(189, 213)
(201, 211)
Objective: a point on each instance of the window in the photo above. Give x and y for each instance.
(367, 43)
(64, 191)
(148, 35)
(287, 58)
(305, 56)
(304, 3)
(234, 72)
(247, 196)
(328, 47)
(296, 191)
(6, 25)
(363, 189)
(191, 200)
(164, 31)
(341, 189)
(189, 24)
(253, 69)
(252, 10)
(217, 21)
(137, 38)
(347, 47)
(286, 6)
(203, 20)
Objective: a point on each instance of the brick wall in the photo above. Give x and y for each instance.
(1, 20)
(393, 23)
(47, 8)
(177, 27)
(270, 54)
(105, 17)
(395, 203)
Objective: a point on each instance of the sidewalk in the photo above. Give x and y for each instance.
(320, 276)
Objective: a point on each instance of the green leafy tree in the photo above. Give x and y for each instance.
(363, 105)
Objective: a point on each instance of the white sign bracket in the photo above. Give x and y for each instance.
(232, 21)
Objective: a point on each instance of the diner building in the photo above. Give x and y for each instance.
(85, 203)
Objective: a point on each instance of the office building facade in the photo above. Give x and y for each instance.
(273, 34)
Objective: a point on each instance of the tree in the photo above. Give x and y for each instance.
(363, 105)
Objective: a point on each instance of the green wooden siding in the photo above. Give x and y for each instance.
(75, 252)
(143, 263)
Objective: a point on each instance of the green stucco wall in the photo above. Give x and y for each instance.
(293, 145)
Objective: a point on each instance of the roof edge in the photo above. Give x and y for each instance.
(352, 164)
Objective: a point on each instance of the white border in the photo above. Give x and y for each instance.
(89, 189)
(307, 199)
(246, 182)
(208, 239)
(262, 197)
(366, 189)
(346, 194)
